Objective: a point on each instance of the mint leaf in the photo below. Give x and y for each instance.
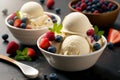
(19, 58)
(96, 29)
(100, 33)
(59, 28)
(18, 52)
(18, 14)
(24, 52)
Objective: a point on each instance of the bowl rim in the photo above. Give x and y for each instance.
(83, 55)
(115, 2)
(6, 22)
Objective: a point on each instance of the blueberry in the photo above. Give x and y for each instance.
(88, 8)
(23, 25)
(52, 17)
(54, 20)
(42, 1)
(51, 49)
(11, 22)
(53, 76)
(58, 10)
(24, 20)
(89, 4)
(96, 46)
(96, 37)
(58, 38)
(5, 37)
(73, 6)
(110, 45)
(45, 77)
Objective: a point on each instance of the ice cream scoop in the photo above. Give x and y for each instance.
(76, 23)
(35, 14)
(75, 45)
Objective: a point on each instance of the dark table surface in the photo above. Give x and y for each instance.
(106, 68)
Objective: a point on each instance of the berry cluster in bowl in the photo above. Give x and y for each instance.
(94, 6)
(18, 22)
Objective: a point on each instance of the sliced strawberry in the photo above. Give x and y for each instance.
(28, 26)
(31, 52)
(17, 22)
(50, 35)
(113, 36)
(12, 47)
(44, 43)
(50, 3)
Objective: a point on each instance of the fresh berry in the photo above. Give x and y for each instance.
(23, 25)
(17, 23)
(50, 35)
(51, 49)
(96, 46)
(42, 1)
(113, 36)
(58, 38)
(54, 20)
(5, 37)
(83, 6)
(23, 20)
(110, 45)
(11, 22)
(78, 9)
(12, 16)
(96, 37)
(28, 26)
(31, 52)
(12, 47)
(53, 76)
(57, 10)
(90, 32)
(50, 3)
(44, 43)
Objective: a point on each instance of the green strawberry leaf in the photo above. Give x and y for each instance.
(18, 14)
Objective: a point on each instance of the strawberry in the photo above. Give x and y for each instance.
(50, 35)
(113, 36)
(50, 3)
(12, 16)
(31, 52)
(17, 22)
(44, 43)
(12, 47)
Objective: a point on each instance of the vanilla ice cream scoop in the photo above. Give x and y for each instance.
(32, 10)
(75, 45)
(76, 23)
(35, 14)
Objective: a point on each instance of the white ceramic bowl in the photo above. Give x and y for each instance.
(29, 36)
(72, 62)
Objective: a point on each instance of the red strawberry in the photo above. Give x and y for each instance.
(12, 47)
(31, 52)
(12, 16)
(113, 36)
(44, 43)
(50, 35)
(17, 22)
(50, 3)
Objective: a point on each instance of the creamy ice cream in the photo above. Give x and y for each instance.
(34, 12)
(75, 45)
(76, 23)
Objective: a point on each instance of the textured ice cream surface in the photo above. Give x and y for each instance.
(76, 23)
(75, 45)
(32, 10)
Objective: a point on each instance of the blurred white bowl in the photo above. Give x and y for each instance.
(72, 62)
(29, 36)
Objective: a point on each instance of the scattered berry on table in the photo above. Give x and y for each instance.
(31, 52)
(50, 4)
(53, 76)
(5, 37)
(5, 11)
(58, 10)
(58, 38)
(96, 46)
(42, 1)
(110, 45)
(12, 47)
(51, 49)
